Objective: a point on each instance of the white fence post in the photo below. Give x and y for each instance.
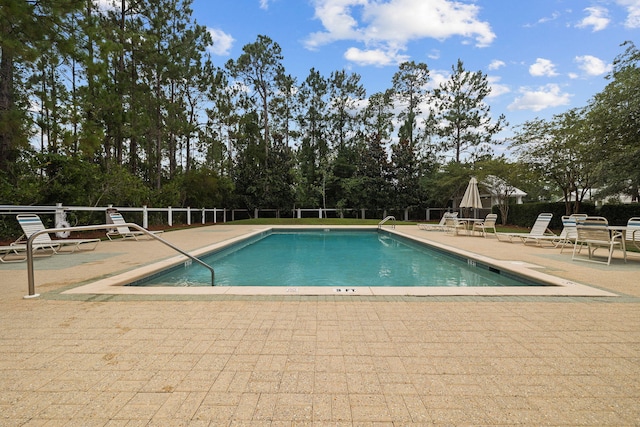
(169, 217)
(215, 216)
(188, 215)
(145, 216)
(203, 216)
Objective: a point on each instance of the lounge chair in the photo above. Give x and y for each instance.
(489, 223)
(441, 226)
(633, 232)
(594, 233)
(122, 230)
(18, 252)
(13, 253)
(31, 223)
(540, 229)
(568, 234)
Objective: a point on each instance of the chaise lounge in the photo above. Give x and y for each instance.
(31, 223)
(123, 231)
(537, 233)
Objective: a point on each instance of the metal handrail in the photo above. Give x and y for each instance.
(30, 273)
(388, 218)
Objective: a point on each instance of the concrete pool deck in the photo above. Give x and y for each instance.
(223, 359)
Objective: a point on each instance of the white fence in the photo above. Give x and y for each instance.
(60, 212)
(208, 215)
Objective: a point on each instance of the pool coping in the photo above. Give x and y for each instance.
(554, 286)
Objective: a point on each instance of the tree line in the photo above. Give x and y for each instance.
(125, 106)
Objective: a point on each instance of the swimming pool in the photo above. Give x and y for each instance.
(334, 258)
(214, 239)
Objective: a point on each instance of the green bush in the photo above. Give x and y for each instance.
(525, 215)
(619, 214)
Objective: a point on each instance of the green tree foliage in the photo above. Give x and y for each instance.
(614, 124)
(409, 86)
(313, 152)
(130, 109)
(562, 153)
(463, 118)
(345, 92)
(500, 178)
(203, 187)
(27, 29)
(259, 68)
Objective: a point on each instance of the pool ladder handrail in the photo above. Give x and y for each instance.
(30, 273)
(387, 218)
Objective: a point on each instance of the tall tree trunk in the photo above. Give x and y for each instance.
(7, 143)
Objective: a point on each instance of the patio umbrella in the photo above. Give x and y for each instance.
(471, 198)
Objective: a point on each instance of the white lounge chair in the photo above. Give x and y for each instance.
(633, 232)
(594, 233)
(31, 223)
(13, 253)
(540, 229)
(489, 223)
(568, 234)
(124, 231)
(441, 226)
(18, 252)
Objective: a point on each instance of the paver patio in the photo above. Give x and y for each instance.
(110, 360)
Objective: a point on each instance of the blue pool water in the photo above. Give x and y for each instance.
(333, 258)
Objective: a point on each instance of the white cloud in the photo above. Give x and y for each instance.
(373, 57)
(495, 64)
(597, 18)
(543, 67)
(264, 4)
(390, 25)
(222, 42)
(537, 100)
(633, 11)
(497, 88)
(592, 66)
(555, 15)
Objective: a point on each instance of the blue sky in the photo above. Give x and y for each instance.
(542, 57)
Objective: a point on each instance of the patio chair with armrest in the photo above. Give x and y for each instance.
(594, 233)
(452, 225)
(489, 223)
(632, 234)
